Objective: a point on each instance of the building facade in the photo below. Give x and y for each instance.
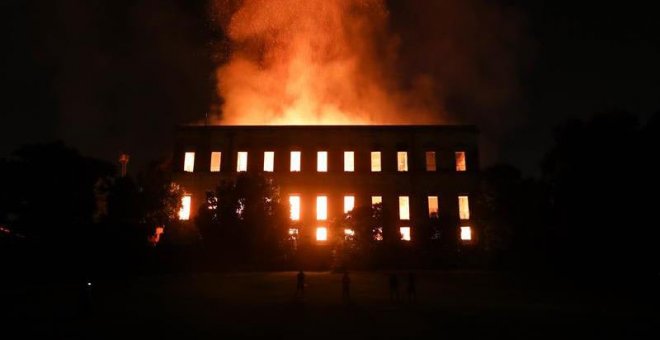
(420, 172)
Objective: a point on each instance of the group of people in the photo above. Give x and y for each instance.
(395, 295)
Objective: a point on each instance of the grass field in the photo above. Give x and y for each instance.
(449, 304)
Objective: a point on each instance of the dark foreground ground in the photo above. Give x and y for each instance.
(460, 305)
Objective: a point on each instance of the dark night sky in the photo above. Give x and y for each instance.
(106, 76)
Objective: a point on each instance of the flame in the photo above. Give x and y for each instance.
(296, 62)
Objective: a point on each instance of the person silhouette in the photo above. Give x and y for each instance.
(300, 283)
(412, 289)
(346, 287)
(394, 288)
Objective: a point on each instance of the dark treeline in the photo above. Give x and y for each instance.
(588, 214)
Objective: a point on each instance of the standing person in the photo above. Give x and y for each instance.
(412, 289)
(394, 288)
(300, 283)
(346, 287)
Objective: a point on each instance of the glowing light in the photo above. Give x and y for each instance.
(349, 203)
(215, 161)
(184, 212)
(430, 161)
(321, 234)
(189, 162)
(295, 161)
(294, 207)
(241, 164)
(404, 208)
(376, 200)
(402, 161)
(375, 161)
(460, 161)
(463, 208)
(405, 233)
(321, 208)
(269, 161)
(89, 284)
(349, 161)
(293, 231)
(322, 161)
(433, 206)
(349, 232)
(466, 233)
(378, 235)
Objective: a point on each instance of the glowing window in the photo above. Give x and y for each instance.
(215, 161)
(189, 162)
(433, 206)
(466, 233)
(402, 161)
(349, 161)
(376, 200)
(322, 161)
(405, 233)
(269, 161)
(241, 164)
(349, 232)
(463, 208)
(321, 208)
(375, 161)
(404, 208)
(184, 212)
(321, 234)
(349, 203)
(460, 161)
(430, 161)
(293, 231)
(295, 161)
(294, 207)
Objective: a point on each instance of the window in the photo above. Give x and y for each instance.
(321, 208)
(375, 161)
(349, 161)
(348, 233)
(376, 200)
(184, 212)
(269, 161)
(466, 233)
(293, 233)
(294, 207)
(430, 161)
(460, 161)
(349, 203)
(433, 206)
(405, 233)
(402, 161)
(322, 161)
(295, 161)
(241, 164)
(321, 234)
(404, 208)
(189, 162)
(463, 208)
(215, 161)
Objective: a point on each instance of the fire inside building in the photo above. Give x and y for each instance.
(418, 171)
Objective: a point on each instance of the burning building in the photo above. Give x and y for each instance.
(418, 171)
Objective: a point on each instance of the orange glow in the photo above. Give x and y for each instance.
(293, 231)
(349, 161)
(402, 161)
(466, 233)
(321, 234)
(215, 161)
(189, 162)
(269, 161)
(321, 208)
(184, 212)
(295, 161)
(241, 163)
(460, 161)
(322, 161)
(375, 161)
(433, 206)
(349, 203)
(430, 161)
(376, 200)
(294, 207)
(349, 232)
(405, 233)
(404, 208)
(463, 208)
